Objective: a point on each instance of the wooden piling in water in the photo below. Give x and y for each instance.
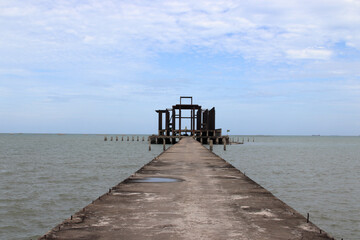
(307, 217)
(105, 138)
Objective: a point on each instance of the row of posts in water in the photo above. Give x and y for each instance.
(126, 138)
(232, 140)
(235, 140)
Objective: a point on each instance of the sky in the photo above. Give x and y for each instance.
(269, 67)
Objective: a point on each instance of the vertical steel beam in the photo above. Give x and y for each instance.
(173, 121)
(206, 120)
(160, 122)
(180, 120)
(198, 119)
(193, 121)
(211, 119)
(167, 122)
(173, 125)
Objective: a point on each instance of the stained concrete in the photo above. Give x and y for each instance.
(209, 199)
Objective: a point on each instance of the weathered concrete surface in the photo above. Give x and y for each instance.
(214, 201)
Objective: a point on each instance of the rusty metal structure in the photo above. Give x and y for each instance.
(187, 119)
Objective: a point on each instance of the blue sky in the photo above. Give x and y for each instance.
(268, 67)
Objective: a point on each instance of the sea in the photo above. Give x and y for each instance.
(45, 178)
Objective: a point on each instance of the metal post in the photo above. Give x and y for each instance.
(180, 120)
(160, 122)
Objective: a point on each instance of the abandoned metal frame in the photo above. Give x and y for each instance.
(202, 123)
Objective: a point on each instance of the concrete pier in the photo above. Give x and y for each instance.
(187, 192)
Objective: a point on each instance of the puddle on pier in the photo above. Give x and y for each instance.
(154, 180)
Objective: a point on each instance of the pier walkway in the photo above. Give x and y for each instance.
(187, 192)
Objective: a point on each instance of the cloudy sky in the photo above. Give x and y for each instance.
(268, 66)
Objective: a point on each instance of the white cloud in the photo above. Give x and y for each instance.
(321, 54)
(262, 30)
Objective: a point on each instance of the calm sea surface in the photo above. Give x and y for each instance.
(46, 178)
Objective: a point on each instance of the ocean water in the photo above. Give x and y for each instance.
(45, 178)
(316, 175)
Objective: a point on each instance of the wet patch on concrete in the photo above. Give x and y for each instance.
(264, 213)
(126, 193)
(239, 197)
(154, 180)
(227, 177)
(104, 221)
(226, 166)
(308, 227)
